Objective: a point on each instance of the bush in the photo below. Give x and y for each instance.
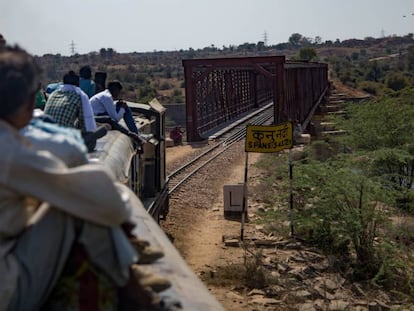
(397, 81)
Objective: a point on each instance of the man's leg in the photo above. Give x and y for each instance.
(42, 252)
(128, 118)
(114, 125)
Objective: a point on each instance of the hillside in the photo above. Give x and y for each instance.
(160, 74)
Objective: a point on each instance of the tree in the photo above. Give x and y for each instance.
(410, 58)
(317, 40)
(260, 46)
(295, 39)
(102, 52)
(307, 54)
(375, 72)
(397, 81)
(383, 131)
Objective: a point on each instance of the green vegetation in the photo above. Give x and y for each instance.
(251, 273)
(353, 196)
(349, 192)
(377, 66)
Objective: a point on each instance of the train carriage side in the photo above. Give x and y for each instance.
(151, 162)
(144, 173)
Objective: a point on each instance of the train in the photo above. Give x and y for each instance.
(144, 172)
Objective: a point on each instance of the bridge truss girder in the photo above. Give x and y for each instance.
(219, 90)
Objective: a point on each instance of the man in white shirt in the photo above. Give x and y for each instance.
(103, 105)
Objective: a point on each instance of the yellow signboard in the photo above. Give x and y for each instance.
(269, 138)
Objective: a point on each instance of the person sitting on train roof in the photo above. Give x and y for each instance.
(106, 111)
(36, 239)
(40, 99)
(51, 87)
(69, 106)
(85, 82)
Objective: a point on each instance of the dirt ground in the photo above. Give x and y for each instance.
(199, 237)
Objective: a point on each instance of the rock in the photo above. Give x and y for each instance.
(309, 270)
(373, 306)
(297, 259)
(293, 245)
(384, 306)
(329, 285)
(357, 290)
(256, 292)
(232, 243)
(297, 274)
(320, 304)
(309, 306)
(340, 294)
(382, 296)
(303, 294)
(234, 296)
(275, 274)
(321, 266)
(324, 293)
(282, 268)
(281, 244)
(338, 305)
(264, 243)
(265, 301)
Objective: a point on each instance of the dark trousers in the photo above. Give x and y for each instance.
(128, 118)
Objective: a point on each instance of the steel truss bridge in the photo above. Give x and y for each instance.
(221, 90)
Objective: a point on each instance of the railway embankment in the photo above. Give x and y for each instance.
(295, 276)
(268, 271)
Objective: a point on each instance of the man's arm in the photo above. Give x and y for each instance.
(86, 191)
(110, 108)
(88, 117)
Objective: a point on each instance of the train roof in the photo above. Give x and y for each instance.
(114, 151)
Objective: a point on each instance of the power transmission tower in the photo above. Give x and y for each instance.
(265, 38)
(72, 46)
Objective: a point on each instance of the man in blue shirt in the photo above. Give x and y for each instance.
(85, 82)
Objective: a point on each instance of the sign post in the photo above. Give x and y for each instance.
(268, 139)
(244, 207)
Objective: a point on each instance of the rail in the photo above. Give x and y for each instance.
(221, 144)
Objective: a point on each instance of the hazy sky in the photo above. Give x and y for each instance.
(48, 26)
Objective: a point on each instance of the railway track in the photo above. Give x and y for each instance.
(220, 143)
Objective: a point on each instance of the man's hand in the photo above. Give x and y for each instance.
(128, 227)
(122, 104)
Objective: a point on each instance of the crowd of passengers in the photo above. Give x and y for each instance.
(79, 102)
(66, 230)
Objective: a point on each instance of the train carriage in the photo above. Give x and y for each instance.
(144, 172)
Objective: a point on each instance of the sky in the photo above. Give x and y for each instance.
(48, 26)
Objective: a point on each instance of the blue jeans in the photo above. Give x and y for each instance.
(128, 118)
